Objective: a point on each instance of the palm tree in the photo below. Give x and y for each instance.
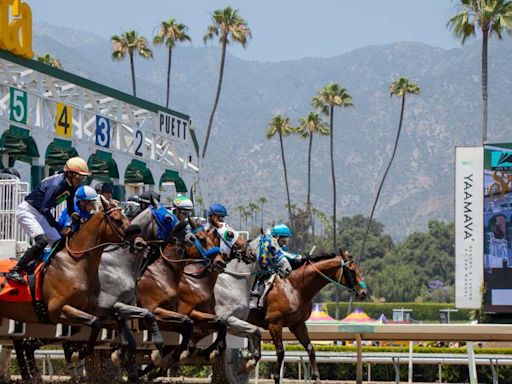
(308, 126)
(332, 95)
(170, 33)
(492, 17)
(281, 125)
(240, 209)
(50, 60)
(400, 87)
(130, 42)
(229, 27)
(253, 208)
(262, 200)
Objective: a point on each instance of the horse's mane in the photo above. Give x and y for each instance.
(322, 256)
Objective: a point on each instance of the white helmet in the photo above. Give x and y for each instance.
(85, 193)
(183, 203)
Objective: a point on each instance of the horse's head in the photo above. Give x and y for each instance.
(349, 274)
(204, 247)
(232, 245)
(118, 228)
(157, 222)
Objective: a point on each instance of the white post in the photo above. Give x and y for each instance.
(409, 377)
(471, 363)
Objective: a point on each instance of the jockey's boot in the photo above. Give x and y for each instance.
(32, 253)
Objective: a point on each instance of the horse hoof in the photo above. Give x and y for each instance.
(156, 357)
(249, 365)
(184, 355)
(115, 357)
(213, 356)
(75, 356)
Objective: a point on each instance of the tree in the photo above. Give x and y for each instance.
(130, 43)
(400, 87)
(240, 209)
(170, 33)
(229, 27)
(253, 208)
(281, 125)
(262, 200)
(332, 95)
(492, 17)
(50, 60)
(308, 126)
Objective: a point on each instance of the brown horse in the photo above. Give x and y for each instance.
(158, 286)
(289, 301)
(70, 282)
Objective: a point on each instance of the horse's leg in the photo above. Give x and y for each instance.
(301, 333)
(73, 315)
(204, 321)
(132, 312)
(67, 346)
(30, 348)
(174, 321)
(129, 341)
(239, 327)
(276, 332)
(20, 357)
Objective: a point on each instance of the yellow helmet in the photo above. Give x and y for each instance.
(77, 165)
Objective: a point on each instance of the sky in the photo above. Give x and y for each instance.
(281, 29)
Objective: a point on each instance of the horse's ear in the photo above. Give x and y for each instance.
(261, 231)
(154, 202)
(104, 202)
(192, 223)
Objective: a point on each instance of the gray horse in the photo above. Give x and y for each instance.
(232, 303)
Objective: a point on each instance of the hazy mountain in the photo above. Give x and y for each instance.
(243, 165)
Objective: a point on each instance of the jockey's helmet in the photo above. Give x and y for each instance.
(183, 203)
(104, 188)
(77, 165)
(85, 193)
(281, 230)
(145, 197)
(217, 209)
(134, 199)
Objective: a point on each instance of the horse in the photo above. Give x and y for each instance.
(289, 301)
(70, 282)
(194, 295)
(159, 285)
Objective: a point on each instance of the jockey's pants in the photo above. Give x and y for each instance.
(34, 223)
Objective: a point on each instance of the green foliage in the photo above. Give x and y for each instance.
(420, 311)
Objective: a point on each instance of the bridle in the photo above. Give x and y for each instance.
(115, 229)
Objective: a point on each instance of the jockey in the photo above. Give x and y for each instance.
(104, 189)
(282, 233)
(216, 214)
(182, 207)
(131, 207)
(85, 205)
(145, 199)
(34, 215)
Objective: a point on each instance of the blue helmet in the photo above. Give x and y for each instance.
(217, 209)
(85, 193)
(281, 230)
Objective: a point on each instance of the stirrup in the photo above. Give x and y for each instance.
(16, 276)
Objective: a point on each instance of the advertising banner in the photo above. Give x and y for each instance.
(468, 226)
(498, 228)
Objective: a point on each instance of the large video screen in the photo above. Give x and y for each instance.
(498, 228)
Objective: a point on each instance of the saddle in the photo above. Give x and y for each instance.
(11, 291)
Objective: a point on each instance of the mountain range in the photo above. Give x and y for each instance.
(242, 165)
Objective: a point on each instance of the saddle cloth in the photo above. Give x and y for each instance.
(12, 291)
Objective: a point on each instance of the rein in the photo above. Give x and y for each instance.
(336, 283)
(123, 242)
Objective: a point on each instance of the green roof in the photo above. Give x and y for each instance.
(89, 84)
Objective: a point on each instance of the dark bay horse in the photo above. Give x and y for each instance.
(159, 285)
(289, 302)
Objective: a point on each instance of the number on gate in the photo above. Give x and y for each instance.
(138, 143)
(64, 120)
(102, 131)
(18, 106)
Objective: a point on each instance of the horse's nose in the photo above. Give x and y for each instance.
(362, 294)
